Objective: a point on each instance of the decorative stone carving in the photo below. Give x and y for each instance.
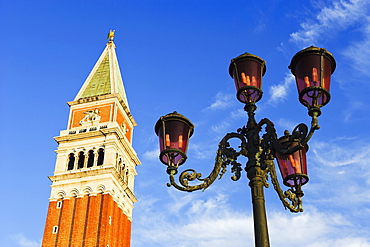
(92, 117)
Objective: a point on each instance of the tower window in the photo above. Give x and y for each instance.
(71, 161)
(55, 230)
(81, 160)
(126, 177)
(118, 162)
(59, 204)
(123, 170)
(100, 156)
(90, 160)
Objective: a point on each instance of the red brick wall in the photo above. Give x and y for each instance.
(65, 224)
(116, 237)
(126, 232)
(52, 220)
(79, 221)
(84, 222)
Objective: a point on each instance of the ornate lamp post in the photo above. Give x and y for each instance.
(312, 68)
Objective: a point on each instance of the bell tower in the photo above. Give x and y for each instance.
(92, 197)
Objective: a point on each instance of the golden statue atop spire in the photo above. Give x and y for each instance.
(111, 35)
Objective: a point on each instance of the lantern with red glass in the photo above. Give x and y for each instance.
(247, 71)
(174, 131)
(293, 167)
(312, 68)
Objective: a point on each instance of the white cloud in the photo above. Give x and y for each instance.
(314, 228)
(213, 222)
(341, 170)
(280, 92)
(180, 201)
(358, 52)
(334, 155)
(221, 128)
(329, 20)
(343, 242)
(190, 221)
(351, 113)
(240, 113)
(222, 101)
(199, 151)
(261, 26)
(286, 124)
(152, 155)
(24, 242)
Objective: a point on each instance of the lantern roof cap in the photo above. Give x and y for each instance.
(311, 51)
(246, 56)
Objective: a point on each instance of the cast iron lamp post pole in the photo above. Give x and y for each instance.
(312, 68)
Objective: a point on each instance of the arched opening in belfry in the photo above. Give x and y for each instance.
(81, 160)
(90, 159)
(71, 161)
(100, 156)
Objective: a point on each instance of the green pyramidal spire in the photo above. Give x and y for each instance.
(105, 77)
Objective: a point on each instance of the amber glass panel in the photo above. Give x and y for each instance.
(313, 71)
(175, 136)
(292, 165)
(248, 73)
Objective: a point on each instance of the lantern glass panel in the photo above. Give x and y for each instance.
(312, 68)
(293, 167)
(173, 136)
(310, 72)
(176, 135)
(247, 71)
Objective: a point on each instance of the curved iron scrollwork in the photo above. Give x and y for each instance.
(291, 199)
(226, 155)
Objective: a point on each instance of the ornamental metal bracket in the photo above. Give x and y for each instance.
(291, 199)
(226, 155)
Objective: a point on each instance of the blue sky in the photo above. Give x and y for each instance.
(174, 55)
